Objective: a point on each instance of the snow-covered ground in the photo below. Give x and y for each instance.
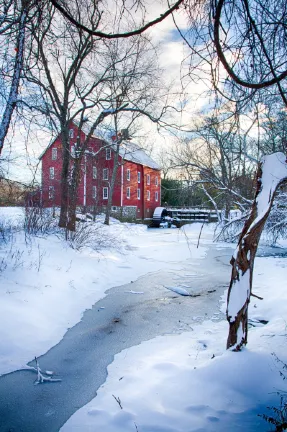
(172, 383)
(189, 382)
(45, 286)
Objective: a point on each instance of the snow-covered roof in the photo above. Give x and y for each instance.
(134, 153)
(128, 150)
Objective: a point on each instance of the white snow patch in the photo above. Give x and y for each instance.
(189, 382)
(178, 290)
(238, 294)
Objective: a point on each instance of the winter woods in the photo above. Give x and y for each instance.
(70, 62)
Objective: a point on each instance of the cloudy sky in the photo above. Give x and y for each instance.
(24, 150)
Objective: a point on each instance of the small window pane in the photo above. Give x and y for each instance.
(156, 196)
(139, 177)
(148, 179)
(71, 133)
(94, 191)
(108, 153)
(105, 193)
(51, 192)
(128, 192)
(54, 153)
(105, 174)
(94, 172)
(156, 181)
(52, 173)
(139, 193)
(128, 174)
(148, 195)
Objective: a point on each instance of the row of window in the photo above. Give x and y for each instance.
(106, 193)
(73, 153)
(106, 175)
(139, 194)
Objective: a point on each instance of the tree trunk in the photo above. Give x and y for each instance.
(64, 179)
(272, 172)
(13, 95)
(73, 190)
(113, 182)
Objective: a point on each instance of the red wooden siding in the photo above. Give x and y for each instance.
(145, 206)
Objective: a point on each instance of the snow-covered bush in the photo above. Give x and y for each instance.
(230, 231)
(93, 235)
(276, 225)
(38, 220)
(10, 222)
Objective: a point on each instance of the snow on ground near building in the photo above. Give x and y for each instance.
(45, 286)
(188, 382)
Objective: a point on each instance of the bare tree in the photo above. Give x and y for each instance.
(14, 26)
(240, 46)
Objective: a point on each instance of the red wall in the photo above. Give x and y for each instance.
(144, 206)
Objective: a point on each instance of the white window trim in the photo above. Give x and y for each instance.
(128, 192)
(148, 179)
(54, 153)
(156, 196)
(94, 192)
(148, 195)
(105, 171)
(108, 154)
(105, 189)
(51, 173)
(128, 174)
(71, 133)
(95, 172)
(138, 194)
(73, 152)
(156, 181)
(139, 177)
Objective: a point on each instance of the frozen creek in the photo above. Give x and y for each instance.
(121, 320)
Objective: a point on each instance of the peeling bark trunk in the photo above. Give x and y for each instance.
(272, 172)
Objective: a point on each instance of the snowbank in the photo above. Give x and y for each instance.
(189, 382)
(45, 286)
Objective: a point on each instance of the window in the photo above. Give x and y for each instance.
(71, 133)
(52, 173)
(105, 174)
(148, 179)
(139, 194)
(108, 154)
(94, 192)
(51, 192)
(156, 181)
(54, 153)
(156, 196)
(94, 172)
(73, 153)
(128, 174)
(148, 195)
(139, 177)
(105, 193)
(128, 192)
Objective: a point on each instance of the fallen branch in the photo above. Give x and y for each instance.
(254, 295)
(118, 401)
(42, 378)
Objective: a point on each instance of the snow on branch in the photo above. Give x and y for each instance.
(274, 172)
(271, 173)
